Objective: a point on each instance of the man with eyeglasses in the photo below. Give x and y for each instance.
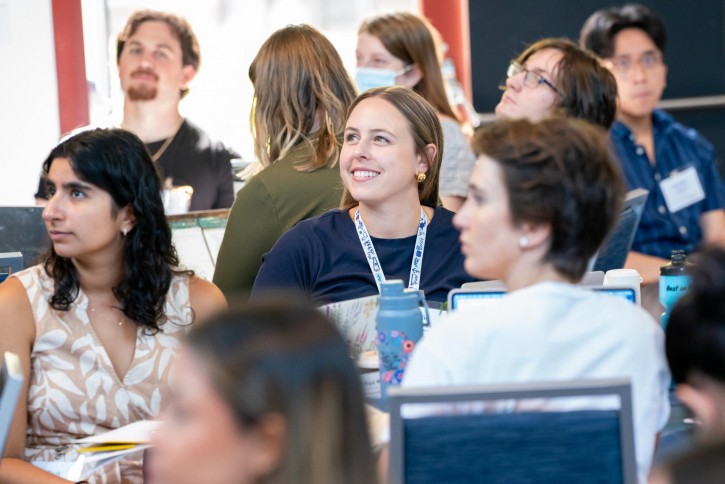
(556, 76)
(675, 163)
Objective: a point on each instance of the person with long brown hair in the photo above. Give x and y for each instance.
(390, 224)
(404, 49)
(301, 94)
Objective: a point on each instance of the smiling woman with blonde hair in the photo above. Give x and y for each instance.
(301, 94)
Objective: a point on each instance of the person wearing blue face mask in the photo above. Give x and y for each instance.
(372, 77)
(401, 49)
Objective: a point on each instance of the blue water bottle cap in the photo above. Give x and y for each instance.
(392, 288)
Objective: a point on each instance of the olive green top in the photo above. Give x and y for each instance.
(268, 205)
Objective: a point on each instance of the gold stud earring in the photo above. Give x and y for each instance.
(421, 177)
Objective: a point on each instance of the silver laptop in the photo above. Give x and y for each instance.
(11, 384)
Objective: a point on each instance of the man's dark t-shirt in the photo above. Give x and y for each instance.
(192, 158)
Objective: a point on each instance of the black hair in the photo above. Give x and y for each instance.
(118, 162)
(602, 26)
(695, 333)
(283, 356)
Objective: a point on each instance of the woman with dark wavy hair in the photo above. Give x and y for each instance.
(97, 324)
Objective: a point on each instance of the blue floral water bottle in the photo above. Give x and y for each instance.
(400, 327)
(674, 282)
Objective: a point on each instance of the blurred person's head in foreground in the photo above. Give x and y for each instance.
(695, 342)
(265, 393)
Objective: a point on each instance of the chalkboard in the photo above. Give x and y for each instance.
(695, 52)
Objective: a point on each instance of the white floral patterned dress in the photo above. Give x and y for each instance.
(74, 391)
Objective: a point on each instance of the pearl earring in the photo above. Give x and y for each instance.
(125, 231)
(523, 241)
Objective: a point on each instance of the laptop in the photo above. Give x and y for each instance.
(482, 298)
(11, 384)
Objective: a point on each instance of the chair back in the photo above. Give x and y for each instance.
(587, 445)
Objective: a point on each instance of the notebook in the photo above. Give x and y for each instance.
(11, 384)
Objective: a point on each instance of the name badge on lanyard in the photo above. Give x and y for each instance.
(682, 189)
(372, 256)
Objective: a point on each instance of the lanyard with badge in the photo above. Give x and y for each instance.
(415, 266)
(682, 189)
(372, 256)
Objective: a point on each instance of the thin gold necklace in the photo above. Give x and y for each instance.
(118, 323)
(166, 144)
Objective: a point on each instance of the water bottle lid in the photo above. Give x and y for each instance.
(678, 264)
(392, 287)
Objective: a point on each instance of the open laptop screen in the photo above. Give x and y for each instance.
(465, 298)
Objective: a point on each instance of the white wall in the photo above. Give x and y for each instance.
(29, 125)
(230, 33)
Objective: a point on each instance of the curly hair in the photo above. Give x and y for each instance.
(117, 161)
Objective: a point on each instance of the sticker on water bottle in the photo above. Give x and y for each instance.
(394, 350)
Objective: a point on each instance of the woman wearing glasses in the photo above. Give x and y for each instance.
(555, 76)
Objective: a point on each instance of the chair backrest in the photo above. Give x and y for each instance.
(615, 249)
(585, 445)
(11, 384)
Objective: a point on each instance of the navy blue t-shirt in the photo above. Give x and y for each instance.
(323, 258)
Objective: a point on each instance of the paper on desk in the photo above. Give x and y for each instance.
(134, 433)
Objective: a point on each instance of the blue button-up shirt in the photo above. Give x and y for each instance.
(676, 147)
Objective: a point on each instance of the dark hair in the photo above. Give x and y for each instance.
(117, 161)
(599, 30)
(558, 172)
(695, 333)
(705, 464)
(180, 28)
(588, 90)
(411, 39)
(425, 128)
(282, 356)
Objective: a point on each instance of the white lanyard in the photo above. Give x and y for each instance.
(372, 256)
